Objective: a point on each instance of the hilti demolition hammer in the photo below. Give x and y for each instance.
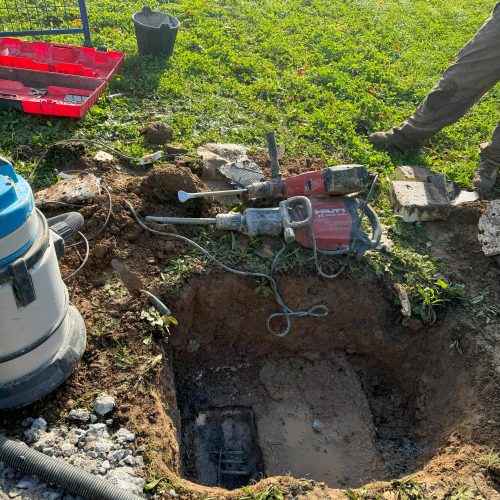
(336, 181)
(328, 224)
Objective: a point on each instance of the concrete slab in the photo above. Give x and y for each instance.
(419, 201)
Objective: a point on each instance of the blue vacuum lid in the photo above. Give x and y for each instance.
(16, 199)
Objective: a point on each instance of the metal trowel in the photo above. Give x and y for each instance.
(134, 284)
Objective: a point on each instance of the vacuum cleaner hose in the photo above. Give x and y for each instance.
(66, 225)
(62, 474)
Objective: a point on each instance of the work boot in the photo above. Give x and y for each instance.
(487, 170)
(392, 140)
(485, 176)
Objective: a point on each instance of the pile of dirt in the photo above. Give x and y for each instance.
(344, 400)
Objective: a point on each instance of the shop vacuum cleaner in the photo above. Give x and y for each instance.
(42, 336)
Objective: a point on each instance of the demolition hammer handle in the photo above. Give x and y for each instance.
(273, 155)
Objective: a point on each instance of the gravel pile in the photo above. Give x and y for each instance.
(86, 442)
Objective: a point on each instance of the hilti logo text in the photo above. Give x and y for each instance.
(323, 212)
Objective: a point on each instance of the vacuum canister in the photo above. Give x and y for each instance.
(42, 336)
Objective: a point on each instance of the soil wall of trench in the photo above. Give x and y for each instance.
(346, 400)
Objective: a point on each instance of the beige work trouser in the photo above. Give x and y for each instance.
(475, 71)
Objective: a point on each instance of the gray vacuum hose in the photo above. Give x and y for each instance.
(62, 474)
(66, 225)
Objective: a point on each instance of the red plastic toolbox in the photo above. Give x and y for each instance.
(53, 79)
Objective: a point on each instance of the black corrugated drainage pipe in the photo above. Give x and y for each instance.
(53, 471)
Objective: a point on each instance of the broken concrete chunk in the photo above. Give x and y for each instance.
(230, 152)
(421, 195)
(489, 227)
(403, 299)
(103, 156)
(75, 189)
(419, 201)
(210, 164)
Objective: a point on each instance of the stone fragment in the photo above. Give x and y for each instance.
(403, 299)
(104, 404)
(125, 478)
(230, 152)
(318, 425)
(77, 188)
(79, 415)
(489, 229)
(103, 156)
(419, 201)
(124, 436)
(39, 423)
(96, 430)
(449, 190)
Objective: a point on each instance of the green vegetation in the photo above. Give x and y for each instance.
(490, 461)
(272, 492)
(465, 492)
(408, 489)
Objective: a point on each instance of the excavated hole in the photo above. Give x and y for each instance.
(342, 400)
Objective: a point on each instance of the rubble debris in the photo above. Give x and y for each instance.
(75, 188)
(102, 156)
(420, 195)
(218, 162)
(148, 159)
(403, 299)
(79, 415)
(419, 201)
(158, 133)
(489, 227)
(230, 152)
(104, 404)
(216, 155)
(91, 447)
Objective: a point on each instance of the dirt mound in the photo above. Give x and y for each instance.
(163, 183)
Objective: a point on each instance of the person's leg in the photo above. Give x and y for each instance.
(475, 71)
(487, 171)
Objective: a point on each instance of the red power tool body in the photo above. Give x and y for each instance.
(340, 180)
(328, 224)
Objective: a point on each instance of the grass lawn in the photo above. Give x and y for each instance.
(322, 73)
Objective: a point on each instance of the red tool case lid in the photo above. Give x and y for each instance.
(53, 79)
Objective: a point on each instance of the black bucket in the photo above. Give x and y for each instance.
(155, 32)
